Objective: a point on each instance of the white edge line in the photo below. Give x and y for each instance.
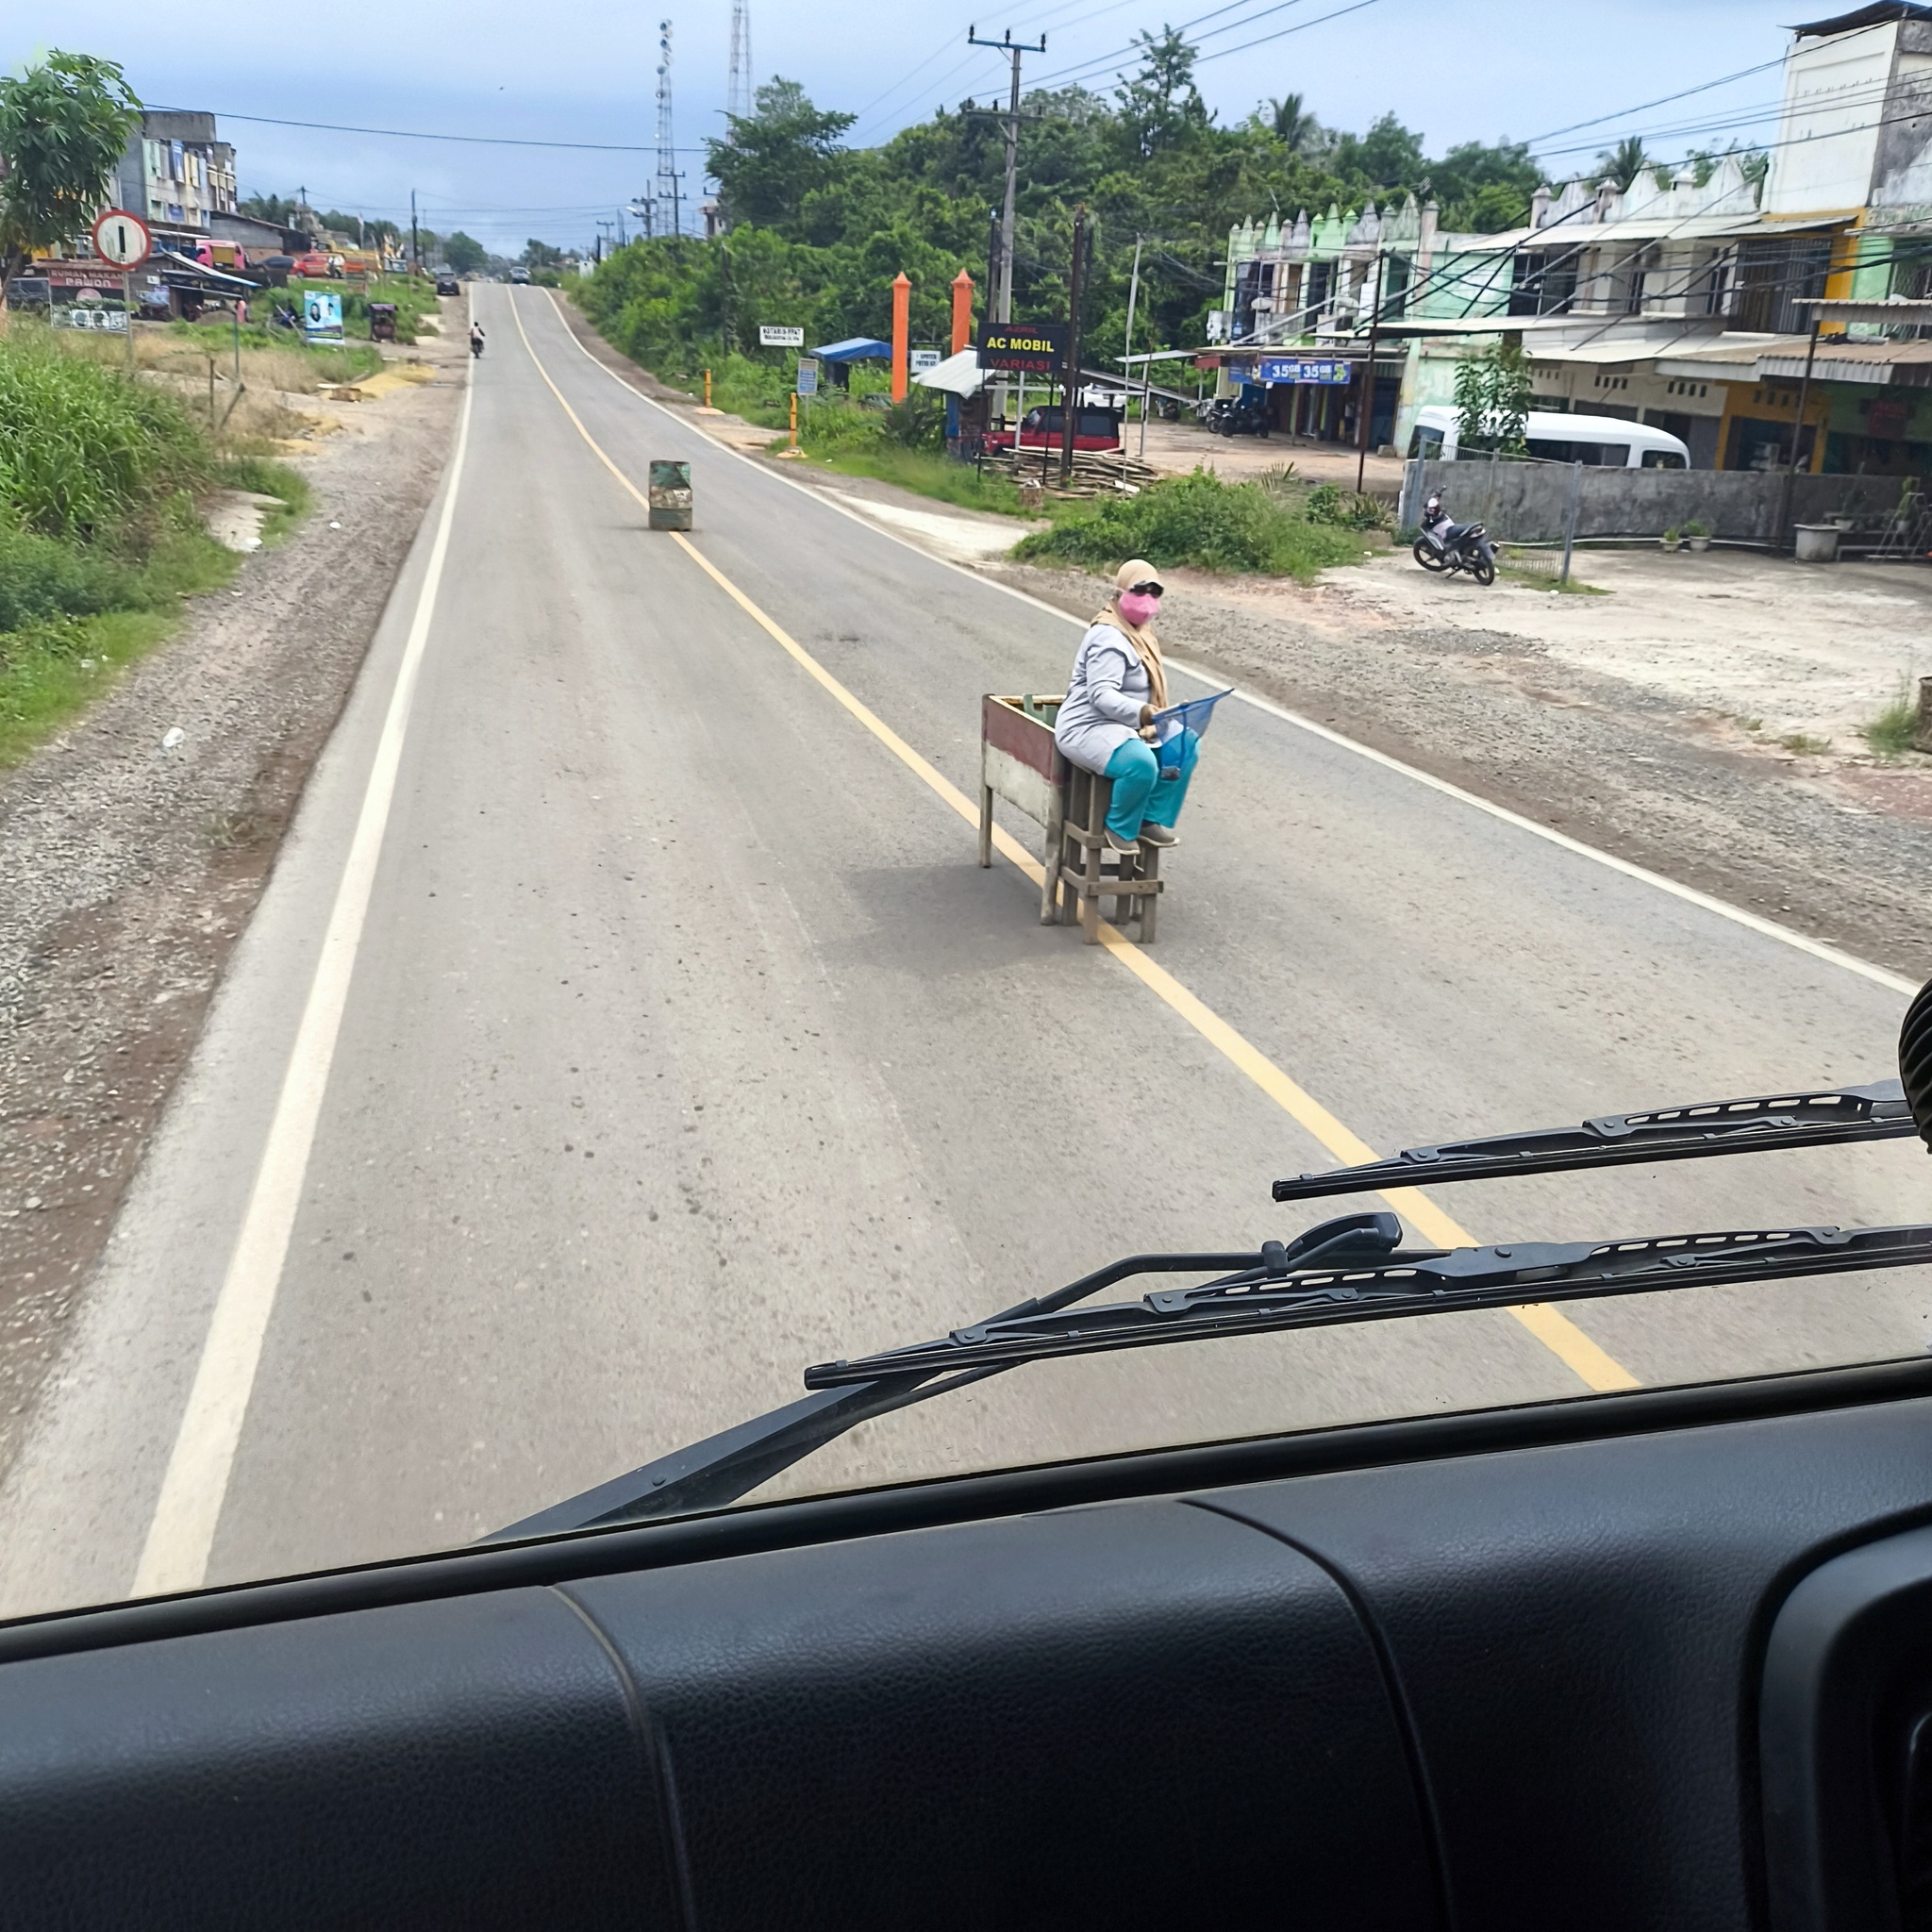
(182, 1532)
(1752, 921)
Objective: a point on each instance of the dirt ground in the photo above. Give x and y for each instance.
(130, 864)
(1772, 648)
(1175, 449)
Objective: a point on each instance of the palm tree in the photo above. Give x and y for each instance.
(1294, 127)
(1622, 162)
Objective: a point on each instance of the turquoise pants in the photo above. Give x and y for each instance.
(1139, 791)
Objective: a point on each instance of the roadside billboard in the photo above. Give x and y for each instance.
(1023, 348)
(775, 335)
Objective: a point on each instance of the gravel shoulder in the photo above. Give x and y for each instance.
(128, 866)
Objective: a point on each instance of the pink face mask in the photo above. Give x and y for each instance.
(1137, 609)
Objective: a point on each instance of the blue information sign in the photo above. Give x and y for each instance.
(1323, 369)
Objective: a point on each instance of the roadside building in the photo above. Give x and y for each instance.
(1681, 301)
(179, 176)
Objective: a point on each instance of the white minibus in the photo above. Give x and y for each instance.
(1608, 441)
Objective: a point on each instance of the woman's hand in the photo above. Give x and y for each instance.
(1146, 716)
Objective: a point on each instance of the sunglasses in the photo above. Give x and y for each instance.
(1144, 590)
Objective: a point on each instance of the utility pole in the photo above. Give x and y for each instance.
(415, 246)
(1003, 290)
(1070, 393)
(623, 240)
(1365, 409)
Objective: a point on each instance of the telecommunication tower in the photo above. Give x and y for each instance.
(738, 88)
(667, 147)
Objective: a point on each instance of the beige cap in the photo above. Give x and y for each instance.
(1137, 570)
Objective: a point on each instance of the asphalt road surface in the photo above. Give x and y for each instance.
(628, 1025)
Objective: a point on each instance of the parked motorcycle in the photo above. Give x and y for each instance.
(1447, 548)
(1235, 416)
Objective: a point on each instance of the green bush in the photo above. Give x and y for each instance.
(1347, 509)
(1196, 520)
(41, 576)
(81, 448)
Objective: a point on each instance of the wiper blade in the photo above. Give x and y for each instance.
(1877, 1113)
(1268, 1298)
(724, 1467)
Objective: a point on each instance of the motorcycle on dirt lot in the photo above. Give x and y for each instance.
(1447, 548)
(1229, 416)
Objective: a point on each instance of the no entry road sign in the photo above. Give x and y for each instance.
(122, 239)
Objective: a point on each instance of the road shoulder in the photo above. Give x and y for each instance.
(134, 862)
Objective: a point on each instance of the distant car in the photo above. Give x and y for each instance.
(520, 274)
(448, 285)
(1042, 428)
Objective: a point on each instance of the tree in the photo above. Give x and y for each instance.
(1492, 396)
(1292, 125)
(775, 155)
(464, 253)
(1623, 162)
(1161, 107)
(1389, 156)
(538, 255)
(1485, 185)
(63, 125)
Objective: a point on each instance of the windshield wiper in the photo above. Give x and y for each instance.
(724, 1467)
(1270, 1297)
(1876, 1112)
(1351, 1268)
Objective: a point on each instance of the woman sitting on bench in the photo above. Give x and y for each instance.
(1106, 723)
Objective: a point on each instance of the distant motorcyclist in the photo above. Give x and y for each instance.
(476, 338)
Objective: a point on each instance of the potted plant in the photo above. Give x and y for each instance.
(1671, 539)
(1696, 535)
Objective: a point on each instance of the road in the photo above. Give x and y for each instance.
(627, 1025)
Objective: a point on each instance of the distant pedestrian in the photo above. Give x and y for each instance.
(1110, 722)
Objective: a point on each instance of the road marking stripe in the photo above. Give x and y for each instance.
(182, 1533)
(1754, 921)
(1592, 1364)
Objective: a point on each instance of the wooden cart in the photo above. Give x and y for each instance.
(1019, 762)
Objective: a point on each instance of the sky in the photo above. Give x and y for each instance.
(585, 70)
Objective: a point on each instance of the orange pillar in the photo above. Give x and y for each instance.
(901, 300)
(962, 310)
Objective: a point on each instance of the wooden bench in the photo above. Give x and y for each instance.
(1019, 762)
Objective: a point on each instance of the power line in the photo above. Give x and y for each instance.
(601, 147)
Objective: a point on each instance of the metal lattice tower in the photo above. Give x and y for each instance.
(667, 146)
(738, 88)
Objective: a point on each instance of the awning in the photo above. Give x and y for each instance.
(855, 349)
(1897, 310)
(202, 270)
(1905, 365)
(958, 376)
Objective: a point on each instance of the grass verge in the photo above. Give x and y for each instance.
(938, 477)
(101, 480)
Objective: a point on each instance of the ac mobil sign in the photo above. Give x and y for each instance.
(1025, 348)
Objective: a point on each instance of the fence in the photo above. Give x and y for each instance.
(1528, 502)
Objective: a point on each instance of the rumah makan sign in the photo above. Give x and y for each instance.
(1302, 369)
(1023, 348)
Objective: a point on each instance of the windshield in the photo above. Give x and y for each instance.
(580, 839)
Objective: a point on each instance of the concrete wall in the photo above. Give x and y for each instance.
(1526, 503)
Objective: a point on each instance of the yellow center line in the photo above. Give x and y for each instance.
(1592, 1364)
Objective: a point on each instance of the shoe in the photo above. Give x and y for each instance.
(1116, 843)
(1163, 836)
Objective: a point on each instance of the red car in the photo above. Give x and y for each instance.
(1042, 428)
